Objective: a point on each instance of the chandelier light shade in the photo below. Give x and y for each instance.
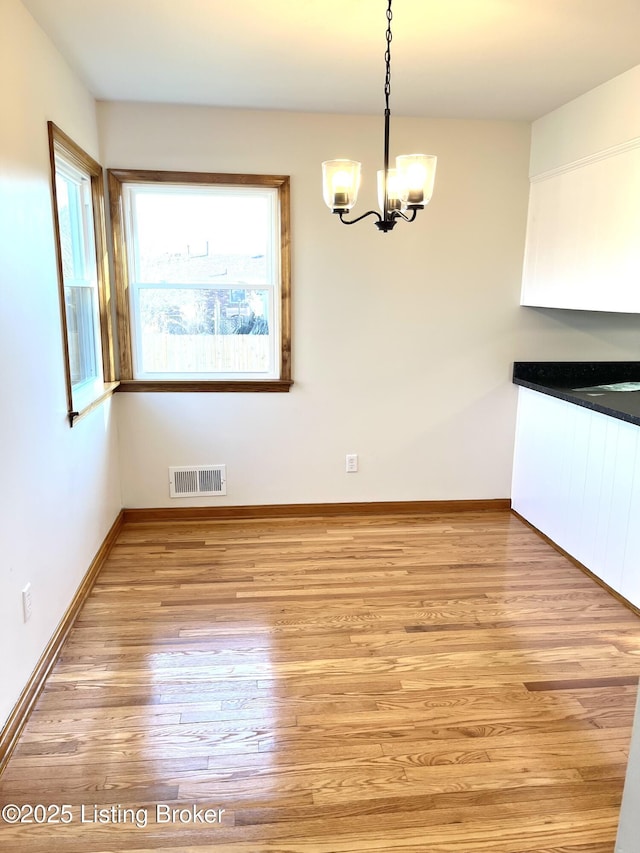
(416, 177)
(402, 191)
(341, 182)
(388, 183)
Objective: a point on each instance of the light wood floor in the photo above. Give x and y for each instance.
(436, 684)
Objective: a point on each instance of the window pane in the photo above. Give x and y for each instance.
(72, 241)
(198, 237)
(79, 272)
(81, 330)
(197, 330)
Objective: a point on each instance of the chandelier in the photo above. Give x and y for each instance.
(402, 191)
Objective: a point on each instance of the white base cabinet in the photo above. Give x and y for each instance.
(577, 479)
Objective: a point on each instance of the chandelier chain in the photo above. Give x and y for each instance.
(387, 57)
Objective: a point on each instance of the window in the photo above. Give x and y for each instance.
(82, 273)
(202, 275)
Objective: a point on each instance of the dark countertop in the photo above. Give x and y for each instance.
(561, 378)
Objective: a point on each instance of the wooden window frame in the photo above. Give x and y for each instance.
(60, 143)
(117, 178)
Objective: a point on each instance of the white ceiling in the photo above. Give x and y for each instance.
(512, 59)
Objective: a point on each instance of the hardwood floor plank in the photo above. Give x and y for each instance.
(577, 683)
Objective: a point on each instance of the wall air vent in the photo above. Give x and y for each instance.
(197, 481)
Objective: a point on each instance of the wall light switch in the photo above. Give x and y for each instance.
(352, 463)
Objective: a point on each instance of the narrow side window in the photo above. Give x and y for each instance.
(78, 207)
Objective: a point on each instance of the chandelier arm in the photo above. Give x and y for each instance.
(399, 213)
(364, 215)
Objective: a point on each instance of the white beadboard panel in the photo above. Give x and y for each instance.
(599, 562)
(577, 479)
(619, 521)
(588, 520)
(540, 474)
(526, 486)
(575, 505)
(560, 429)
(631, 562)
(582, 249)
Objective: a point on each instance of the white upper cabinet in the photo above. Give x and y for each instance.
(583, 232)
(583, 235)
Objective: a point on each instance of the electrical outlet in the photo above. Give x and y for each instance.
(26, 603)
(352, 463)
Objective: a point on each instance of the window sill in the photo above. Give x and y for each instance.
(205, 386)
(109, 388)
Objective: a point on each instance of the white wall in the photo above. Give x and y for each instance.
(60, 486)
(402, 343)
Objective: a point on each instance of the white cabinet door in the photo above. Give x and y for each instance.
(582, 248)
(631, 562)
(576, 478)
